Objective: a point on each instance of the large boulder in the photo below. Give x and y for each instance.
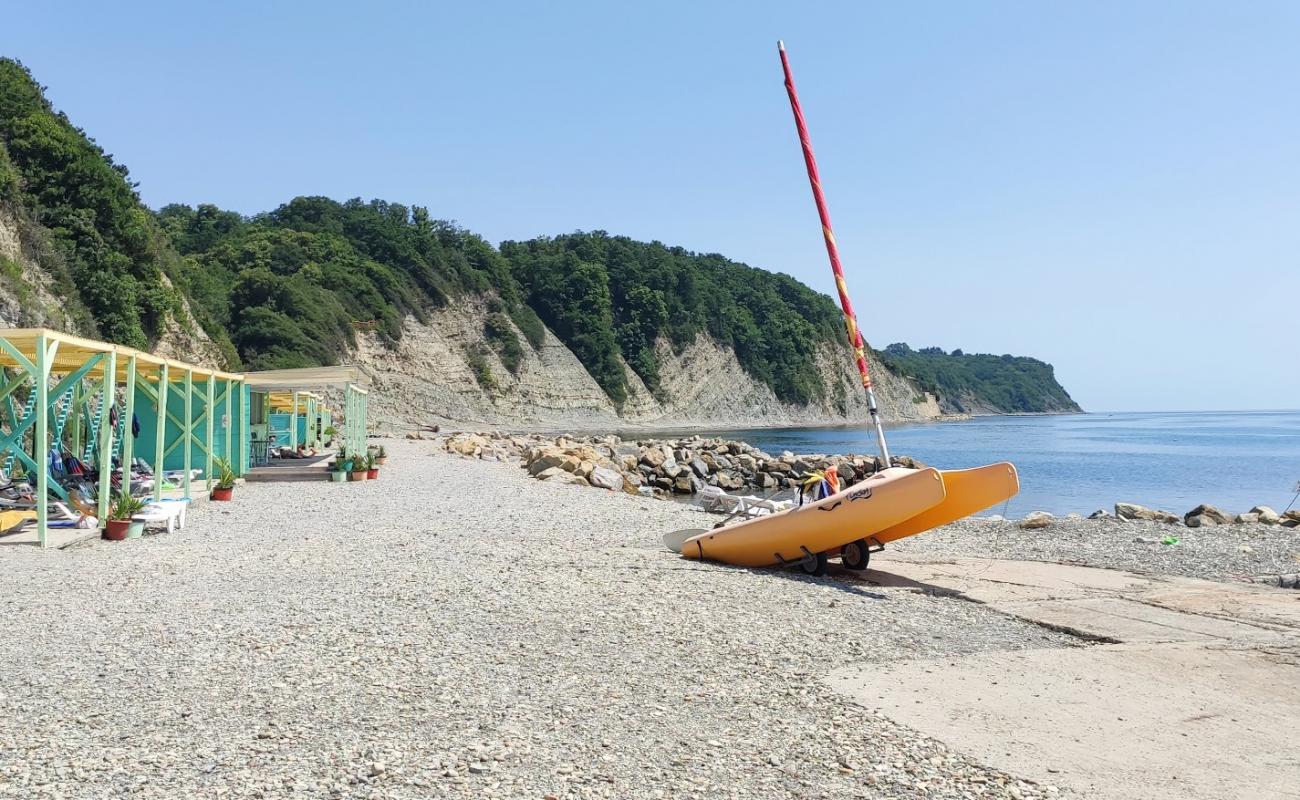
(1209, 515)
(606, 478)
(467, 444)
(547, 459)
(730, 481)
(1247, 518)
(1100, 513)
(1038, 519)
(1266, 515)
(1133, 511)
(548, 473)
(654, 457)
(684, 484)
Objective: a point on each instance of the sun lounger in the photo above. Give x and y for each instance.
(170, 513)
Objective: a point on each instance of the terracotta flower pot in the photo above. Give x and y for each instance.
(372, 474)
(223, 494)
(359, 475)
(115, 530)
(382, 460)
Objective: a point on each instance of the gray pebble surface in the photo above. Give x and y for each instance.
(1236, 552)
(457, 629)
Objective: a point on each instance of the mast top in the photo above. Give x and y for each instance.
(780, 45)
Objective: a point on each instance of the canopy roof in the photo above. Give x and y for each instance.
(73, 352)
(288, 380)
(284, 401)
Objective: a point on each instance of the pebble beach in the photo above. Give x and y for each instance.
(459, 629)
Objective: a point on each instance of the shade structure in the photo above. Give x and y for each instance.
(293, 403)
(106, 405)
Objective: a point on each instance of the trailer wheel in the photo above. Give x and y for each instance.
(855, 555)
(813, 564)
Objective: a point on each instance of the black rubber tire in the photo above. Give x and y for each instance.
(814, 564)
(856, 555)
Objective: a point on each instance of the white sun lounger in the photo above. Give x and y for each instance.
(714, 499)
(169, 512)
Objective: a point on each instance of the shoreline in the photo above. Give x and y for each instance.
(681, 468)
(691, 428)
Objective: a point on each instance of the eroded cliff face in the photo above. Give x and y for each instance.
(27, 298)
(428, 379)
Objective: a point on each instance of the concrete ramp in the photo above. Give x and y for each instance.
(1193, 690)
(1110, 721)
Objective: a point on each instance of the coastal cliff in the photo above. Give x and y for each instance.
(429, 378)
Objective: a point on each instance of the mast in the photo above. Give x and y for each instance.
(850, 319)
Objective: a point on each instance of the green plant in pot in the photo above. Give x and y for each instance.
(357, 469)
(382, 458)
(372, 466)
(339, 470)
(225, 486)
(119, 523)
(330, 432)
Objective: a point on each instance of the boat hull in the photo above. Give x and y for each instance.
(968, 491)
(879, 503)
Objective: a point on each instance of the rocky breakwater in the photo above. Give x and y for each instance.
(662, 466)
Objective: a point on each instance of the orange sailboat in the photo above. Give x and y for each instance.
(851, 524)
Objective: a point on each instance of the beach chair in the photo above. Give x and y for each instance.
(712, 498)
(170, 513)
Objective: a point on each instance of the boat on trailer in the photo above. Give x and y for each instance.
(853, 523)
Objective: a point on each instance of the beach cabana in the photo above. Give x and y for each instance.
(61, 393)
(290, 406)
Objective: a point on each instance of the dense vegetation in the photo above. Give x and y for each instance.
(980, 382)
(111, 257)
(606, 296)
(291, 286)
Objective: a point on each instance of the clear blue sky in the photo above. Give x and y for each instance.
(1113, 187)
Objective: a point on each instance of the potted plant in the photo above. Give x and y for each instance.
(357, 468)
(330, 433)
(372, 467)
(382, 458)
(338, 470)
(225, 487)
(119, 524)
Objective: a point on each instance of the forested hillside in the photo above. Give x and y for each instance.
(606, 296)
(317, 281)
(292, 286)
(980, 383)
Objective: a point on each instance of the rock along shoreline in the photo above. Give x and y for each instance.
(683, 467)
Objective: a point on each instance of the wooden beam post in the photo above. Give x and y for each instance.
(189, 428)
(41, 440)
(212, 410)
(161, 429)
(128, 414)
(230, 424)
(104, 455)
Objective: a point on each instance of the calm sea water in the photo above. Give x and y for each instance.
(1081, 462)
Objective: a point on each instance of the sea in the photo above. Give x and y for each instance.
(1083, 462)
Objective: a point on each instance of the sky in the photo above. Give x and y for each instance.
(1112, 187)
